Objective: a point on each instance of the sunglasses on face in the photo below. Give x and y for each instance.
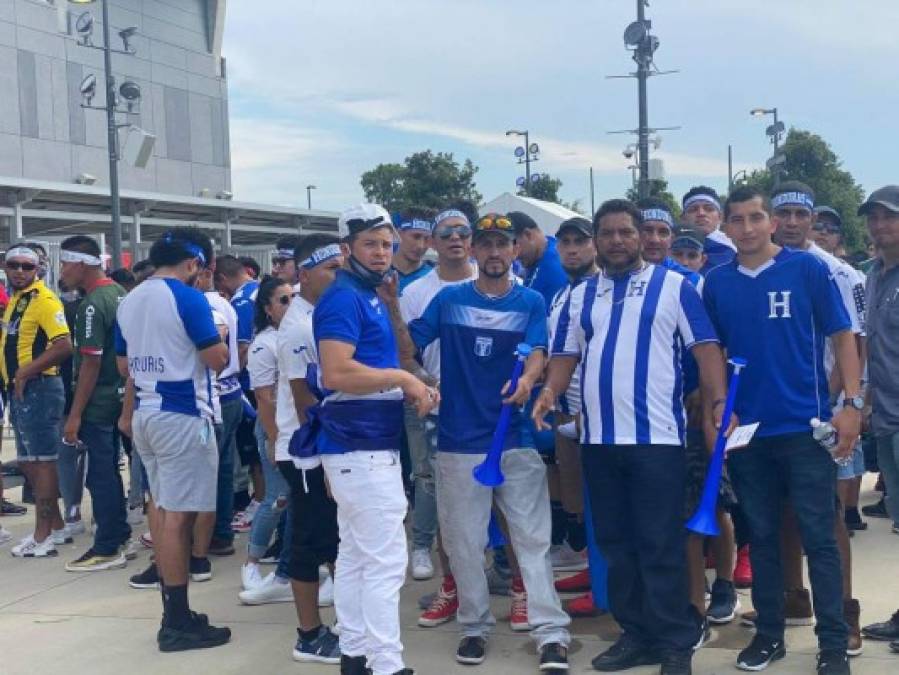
(26, 266)
(447, 231)
(494, 223)
(284, 299)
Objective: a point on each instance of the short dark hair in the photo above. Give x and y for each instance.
(618, 206)
(522, 221)
(123, 277)
(229, 266)
(261, 319)
(793, 186)
(180, 244)
(466, 206)
(416, 213)
(311, 243)
(142, 265)
(288, 242)
(82, 244)
(701, 190)
(746, 193)
(250, 264)
(37, 248)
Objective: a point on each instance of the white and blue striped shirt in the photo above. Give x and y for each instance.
(629, 333)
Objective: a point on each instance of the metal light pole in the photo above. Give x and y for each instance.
(529, 155)
(643, 57)
(774, 132)
(309, 189)
(592, 205)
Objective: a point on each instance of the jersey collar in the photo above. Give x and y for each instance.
(37, 284)
(105, 281)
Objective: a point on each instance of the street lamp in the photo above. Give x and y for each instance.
(775, 133)
(525, 154)
(129, 91)
(309, 189)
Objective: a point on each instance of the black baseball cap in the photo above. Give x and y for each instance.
(887, 197)
(582, 225)
(688, 238)
(521, 221)
(494, 222)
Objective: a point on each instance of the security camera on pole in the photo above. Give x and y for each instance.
(124, 100)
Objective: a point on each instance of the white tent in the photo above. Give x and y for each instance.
(548, 215)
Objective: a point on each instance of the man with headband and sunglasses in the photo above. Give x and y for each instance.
(451, 239)
(702, 211)
(167, 344)
(34, 342)
(413, 227)
(283, 264)
(361, 421)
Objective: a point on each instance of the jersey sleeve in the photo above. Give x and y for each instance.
(295, 352)
(262, 362)
(121, 347)
(409, 304)
(568, 334)
(51, 317)
(536, 333)
(846, 280)
(692, 320)
(196, 315)
(338, 317)
(426, 328)
(827, 304)
(243, 307)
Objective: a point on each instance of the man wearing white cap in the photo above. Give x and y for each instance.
(361, 424)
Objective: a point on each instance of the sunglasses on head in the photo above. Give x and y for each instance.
(447, 231)
(494, 223)
(26, 266)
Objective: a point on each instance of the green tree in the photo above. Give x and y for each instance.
(424, 179)
(659, 190)
(811, 160)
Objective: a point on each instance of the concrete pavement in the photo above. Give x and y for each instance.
(53, 621)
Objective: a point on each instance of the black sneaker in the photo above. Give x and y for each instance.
(833, 662)
(705, 636)
(854, 521)
(626, 653)
(677, 663)
(7, 508)
(878, 510)
(724, 603)
(200, 569)
(197, 634)
(149, 578)
(760, 653)
(353, 665)
(885, 630)
(272, 554)
(894, 646)
(553, 657)
(472, 650)
(221, 547)
(323, 648)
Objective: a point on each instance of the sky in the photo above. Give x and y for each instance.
(323, 90)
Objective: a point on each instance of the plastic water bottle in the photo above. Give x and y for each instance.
(826, 435)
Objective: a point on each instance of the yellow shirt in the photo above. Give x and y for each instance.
(33, 319)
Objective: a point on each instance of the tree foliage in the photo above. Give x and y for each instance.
(811, 160)
(424, 179)
(659, 190)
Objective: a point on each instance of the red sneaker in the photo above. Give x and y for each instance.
(743, 569)
(518, 613)
(444, 606)
(581, 606)
(576, 583)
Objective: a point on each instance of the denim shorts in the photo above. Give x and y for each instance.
(854, 468)
(37, 419)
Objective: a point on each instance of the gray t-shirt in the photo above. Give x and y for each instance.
(883, 347)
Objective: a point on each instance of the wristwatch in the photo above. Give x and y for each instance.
(857, 402)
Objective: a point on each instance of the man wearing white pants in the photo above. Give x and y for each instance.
(360, 424)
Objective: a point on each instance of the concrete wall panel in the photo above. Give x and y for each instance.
(10, 155)
(47, 160)
(9, 91)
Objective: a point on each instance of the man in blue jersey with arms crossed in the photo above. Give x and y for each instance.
(774, 307)
(166, 343)
(361, 425)
(629, 326)
(479, 324)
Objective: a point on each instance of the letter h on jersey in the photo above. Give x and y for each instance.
(779, 308)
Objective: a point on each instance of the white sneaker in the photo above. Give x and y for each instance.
(130, 549)
(29, 548)
(250, 576)
(61, 537)
(5, 535)
(422, 567)
(74, 528)
(566, 559)
(272, 589)
(326, 592)
(135, 515)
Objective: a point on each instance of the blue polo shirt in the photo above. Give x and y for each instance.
(478, 335)
(547, 276)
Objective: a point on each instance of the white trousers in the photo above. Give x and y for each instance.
(372, 557)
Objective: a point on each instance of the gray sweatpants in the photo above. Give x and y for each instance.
(463, 507)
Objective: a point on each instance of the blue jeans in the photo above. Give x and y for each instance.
(888, 461)
(765, 474)
(232, 413)
(421, 435)
(105, 485)
(267, 515)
